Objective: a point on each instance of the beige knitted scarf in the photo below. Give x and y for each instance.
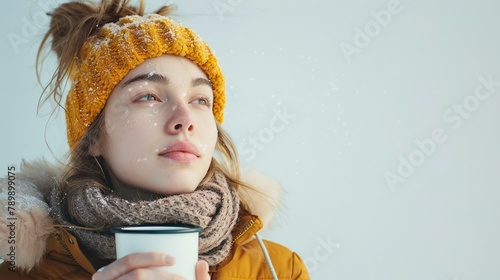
(212, 206)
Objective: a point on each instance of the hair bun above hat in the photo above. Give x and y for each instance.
(106, 57)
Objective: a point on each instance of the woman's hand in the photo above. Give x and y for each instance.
(138, 266)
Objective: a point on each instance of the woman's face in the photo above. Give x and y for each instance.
(159, 130)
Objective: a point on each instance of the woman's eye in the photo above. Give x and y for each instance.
(203, 101)
(148, 97)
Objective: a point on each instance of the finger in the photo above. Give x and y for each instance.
(202, 271)
(131, 262)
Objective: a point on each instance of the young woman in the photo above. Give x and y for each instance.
(146, 147)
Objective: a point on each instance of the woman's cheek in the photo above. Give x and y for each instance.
(117, 117)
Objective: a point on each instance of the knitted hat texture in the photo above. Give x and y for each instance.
(117, 48)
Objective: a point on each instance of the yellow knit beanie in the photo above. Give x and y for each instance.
(117, 48)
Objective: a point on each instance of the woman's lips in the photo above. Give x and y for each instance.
(184, 152)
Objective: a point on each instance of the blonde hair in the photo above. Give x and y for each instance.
(71, 24)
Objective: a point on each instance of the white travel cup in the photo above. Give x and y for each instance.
(181, 242)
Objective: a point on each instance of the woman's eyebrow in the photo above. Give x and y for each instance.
(201, 81)
(152, 77)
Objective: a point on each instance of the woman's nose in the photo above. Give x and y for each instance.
(181, 120)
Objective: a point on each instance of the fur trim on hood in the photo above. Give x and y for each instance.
(32, 224)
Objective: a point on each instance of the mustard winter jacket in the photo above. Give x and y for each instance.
(43, 251)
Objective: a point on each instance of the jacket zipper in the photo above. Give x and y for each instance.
(59, 239)
(247, 227)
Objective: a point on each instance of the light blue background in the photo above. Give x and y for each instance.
(350, 125)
